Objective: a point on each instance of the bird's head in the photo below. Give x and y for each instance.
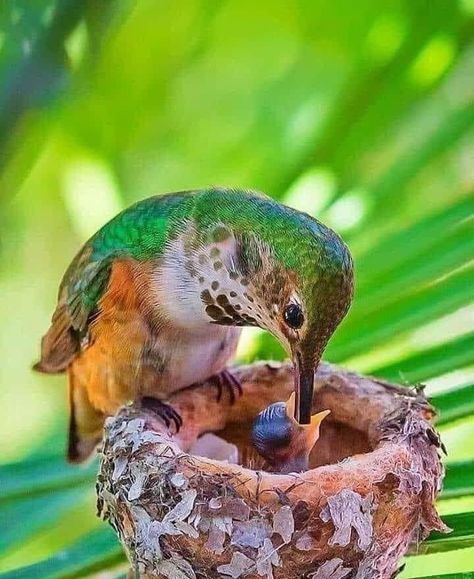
(254, 262)
(306, 289)
(293, 277)
(281, 441)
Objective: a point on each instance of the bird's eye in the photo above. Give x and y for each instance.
(293, 316)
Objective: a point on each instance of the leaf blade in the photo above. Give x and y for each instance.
(40, 475)
(468, 575)
(96, 551)
(24, 517)
(454, 404)
(372, 263)
(461, 537)
(459, 480)
(431, 362)
(403, 314)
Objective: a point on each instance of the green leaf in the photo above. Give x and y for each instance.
(453, 126)
(454, 404)
(461, 537)
(459, 480)
(394, 251)
(40, 475)
(425, 304)
(469, 575)
(97, 551)
(432, 362)
(24, 517)
(447, 254)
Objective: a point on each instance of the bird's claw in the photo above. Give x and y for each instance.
(164, 411)
(227, 381)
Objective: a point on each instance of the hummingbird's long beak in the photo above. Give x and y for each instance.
(304, 385)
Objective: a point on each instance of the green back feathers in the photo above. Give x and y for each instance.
(298, 242)
(296, 238)
(139, 232)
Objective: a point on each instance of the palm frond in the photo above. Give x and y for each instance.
(435, 361)
(461, 536)
(40, 475)
(454, 404)
(459, 480)
(96, 551)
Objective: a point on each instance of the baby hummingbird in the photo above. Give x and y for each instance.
(155, 301)
(281, 441)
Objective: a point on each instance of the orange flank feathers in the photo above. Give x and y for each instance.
(106, 374)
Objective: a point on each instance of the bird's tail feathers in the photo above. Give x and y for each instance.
(85, 422)
(59, 345)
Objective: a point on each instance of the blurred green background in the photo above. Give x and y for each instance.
(360, 113)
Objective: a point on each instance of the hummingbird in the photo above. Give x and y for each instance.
(281, 441)
(156, 300)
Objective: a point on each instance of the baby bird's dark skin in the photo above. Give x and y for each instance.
(281, 441)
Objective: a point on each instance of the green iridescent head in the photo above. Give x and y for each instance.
(295, 277)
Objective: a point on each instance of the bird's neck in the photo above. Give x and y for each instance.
(199, 284)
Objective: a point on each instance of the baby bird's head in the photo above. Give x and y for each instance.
(281, 441)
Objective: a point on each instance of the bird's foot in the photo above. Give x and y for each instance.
(164, 411)
(225, 380)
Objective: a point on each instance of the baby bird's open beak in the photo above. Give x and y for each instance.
(309, 431)
(281, 441)
(312, 429)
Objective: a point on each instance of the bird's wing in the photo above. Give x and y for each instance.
(140, 232)
(83, 284)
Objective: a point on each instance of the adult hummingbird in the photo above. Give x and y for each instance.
(155, 301)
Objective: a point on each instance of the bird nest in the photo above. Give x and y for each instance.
(368, 495)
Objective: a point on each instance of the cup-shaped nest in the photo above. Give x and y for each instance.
(369, 493)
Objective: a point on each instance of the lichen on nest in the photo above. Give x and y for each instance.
(182, 516)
